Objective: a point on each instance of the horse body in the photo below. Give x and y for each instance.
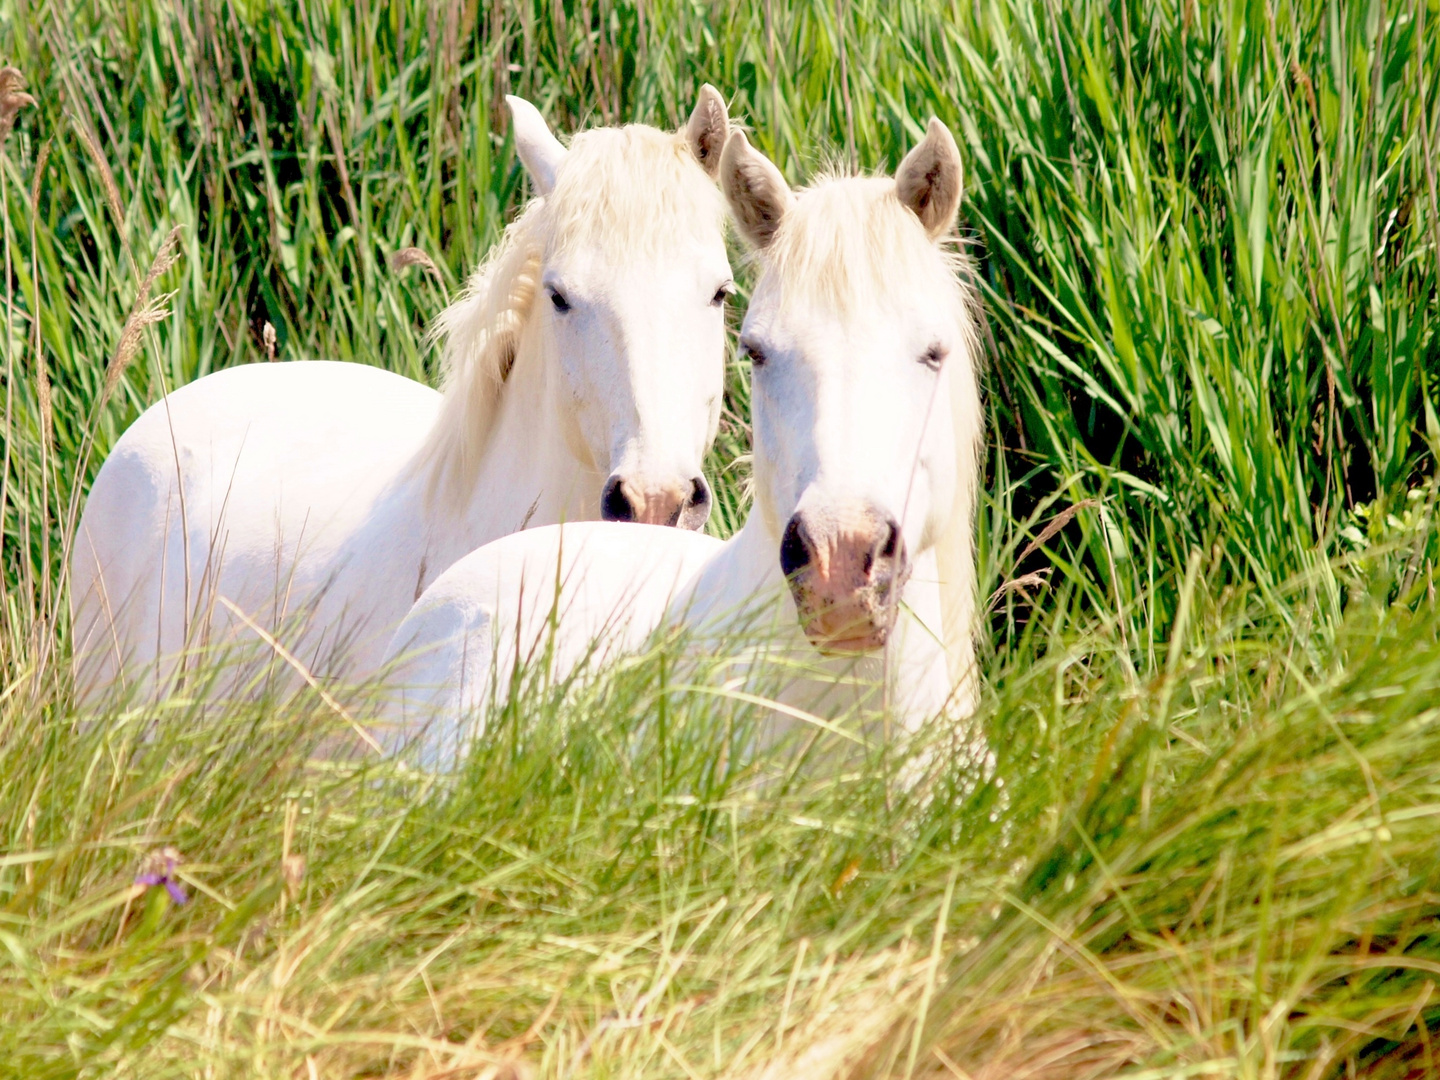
(557, 596)
(563, 596)
(857, 557)
(314, 501)
(259, 484)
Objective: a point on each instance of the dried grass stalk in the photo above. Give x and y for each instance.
(12, 99)
(144, 312)
(1053, 526)
(47, 401)
(1022, 584)
(849, 1025)
(107, 178)
(40, 162)
(42, 375)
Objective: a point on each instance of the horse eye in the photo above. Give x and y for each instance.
(722, 293)
(754, 352)
(934, 356)
(558, 299)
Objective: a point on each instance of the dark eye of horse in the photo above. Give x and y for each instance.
(754, 352)
(718, 300)
(557, 298)
(934, 356)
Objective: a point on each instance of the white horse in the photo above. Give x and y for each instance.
(584, 373)
(862, 339)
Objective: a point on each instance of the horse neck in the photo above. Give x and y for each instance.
(529, 473)
(756, 553)
(746, 568)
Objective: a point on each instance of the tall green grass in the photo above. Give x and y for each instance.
(1208, 230)
(1207, 238)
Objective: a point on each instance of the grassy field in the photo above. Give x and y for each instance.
(1209, 842)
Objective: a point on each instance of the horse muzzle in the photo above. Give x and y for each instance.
(846, 571)
(684, 504)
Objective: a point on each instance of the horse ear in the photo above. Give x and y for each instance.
(540, 152)
(757, 193)
(929, 179)
(707, 128)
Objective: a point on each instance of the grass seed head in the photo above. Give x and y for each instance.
(47, 403)
(107, 177)
(414, 256)
(144, 312)
(40, 163)
(12, 99)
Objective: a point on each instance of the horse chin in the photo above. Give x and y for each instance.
(850, 646)
(849, 629)
(853, 624)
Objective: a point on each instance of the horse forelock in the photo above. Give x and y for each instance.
(634, 189)
(847, 243)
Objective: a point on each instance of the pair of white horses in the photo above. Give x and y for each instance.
(437, 538)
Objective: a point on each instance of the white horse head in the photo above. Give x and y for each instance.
(862, 333)
(866, 412)
(606, 299)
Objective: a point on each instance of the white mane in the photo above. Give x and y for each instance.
(625, 190)
(848, 244)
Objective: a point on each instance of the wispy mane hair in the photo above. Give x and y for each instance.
(633, 190)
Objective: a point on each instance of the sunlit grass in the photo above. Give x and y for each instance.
(1205, 846)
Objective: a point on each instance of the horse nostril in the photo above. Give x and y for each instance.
(614, 503)
(794, 551)
(699, 492)
(891, 541)
(886, 545)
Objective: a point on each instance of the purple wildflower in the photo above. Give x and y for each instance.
(159, 869)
